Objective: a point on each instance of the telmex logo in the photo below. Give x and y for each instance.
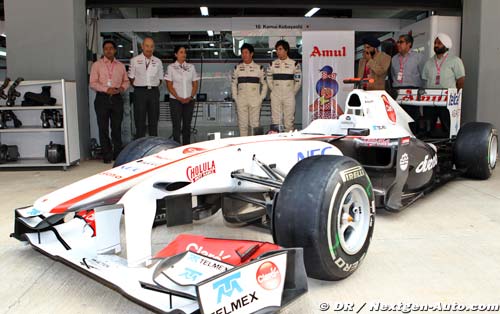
(190, 274)
(316, 52)
(268, 276)
(227, 285)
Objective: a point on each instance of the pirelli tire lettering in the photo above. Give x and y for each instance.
(337, 229)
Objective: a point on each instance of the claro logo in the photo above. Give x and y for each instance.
(193, 247)
(316, 52)
(268, 276)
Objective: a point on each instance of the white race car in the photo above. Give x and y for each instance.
(316, 190)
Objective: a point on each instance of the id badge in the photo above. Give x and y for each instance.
(109, 83)
(400, 76)
(438, 79)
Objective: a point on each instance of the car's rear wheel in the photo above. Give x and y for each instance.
(143, 147)
(326, 206)
(476, 150)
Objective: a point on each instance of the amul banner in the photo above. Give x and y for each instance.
(327, 59)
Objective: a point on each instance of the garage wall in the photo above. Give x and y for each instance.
(481, 55)
(46, 40)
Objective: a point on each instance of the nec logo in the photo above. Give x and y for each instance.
(313, 152)
(227, 285)
(190, 274)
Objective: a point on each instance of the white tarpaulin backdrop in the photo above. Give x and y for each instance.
(327, 59)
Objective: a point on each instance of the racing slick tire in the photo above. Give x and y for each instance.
(143, 147)
(476, 150)
(326, 206)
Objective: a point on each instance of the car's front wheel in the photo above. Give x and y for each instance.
(326, 206)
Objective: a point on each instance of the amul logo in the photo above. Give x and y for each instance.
(227, 285)
(268, 276)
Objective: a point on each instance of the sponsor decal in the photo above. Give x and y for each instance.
(268, 276)
(316, 52)
(200, 250)
(33, 212)
(226, 286)
(376, 142)
(403, 162)
(352, 173)
(405, 140)
(111, 174)
(427, 164)
(454, 99)
(378, 127)
(130, 168)
(313, 152)
(391, 114)
(190, 150)
(148, 163)
(190, 274)
(346, 267)
(195, 173)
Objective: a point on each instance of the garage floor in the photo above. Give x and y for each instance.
(445, 248)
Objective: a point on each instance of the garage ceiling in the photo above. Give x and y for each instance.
(291, 8)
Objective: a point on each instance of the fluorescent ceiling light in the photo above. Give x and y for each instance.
(3, 53)
(311, 12)
(3, 35)
(131, 51)
(204, 11)
(216, 53)
(210, 33)
(212, 45)
(120, 46)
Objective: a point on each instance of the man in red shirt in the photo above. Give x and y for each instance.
(109, 79)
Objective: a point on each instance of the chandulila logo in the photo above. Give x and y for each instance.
(195, 173)
(227, 285)
(268, 276)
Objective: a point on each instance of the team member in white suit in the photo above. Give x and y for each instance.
(249, 89)
(284, 78)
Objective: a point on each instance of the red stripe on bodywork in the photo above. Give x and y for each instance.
(61, 208)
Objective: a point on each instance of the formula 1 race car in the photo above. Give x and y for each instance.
(316, 190)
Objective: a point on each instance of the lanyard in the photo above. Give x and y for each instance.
(438, 67)
(402, 62)
(146, 62)
(110, 69)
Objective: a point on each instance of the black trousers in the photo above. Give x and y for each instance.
(181, 113)
(109, 109)
(146, 103)
(431, 114)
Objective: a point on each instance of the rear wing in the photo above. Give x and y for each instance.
(450, 98)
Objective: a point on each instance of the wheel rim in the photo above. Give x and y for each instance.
(353, 221)
(492, 158)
